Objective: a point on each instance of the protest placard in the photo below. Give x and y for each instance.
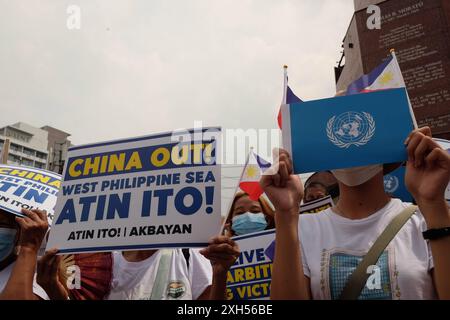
(349, 131)
(28, 188)
(157, 191)
(317, 205)
(250, 277)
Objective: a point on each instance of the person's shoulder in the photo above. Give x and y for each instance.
(314, 220)
(394, 207)
(196, 256)
(316, 217)
(416, 219)
(184, 256)
(117, 258)
(398, 206)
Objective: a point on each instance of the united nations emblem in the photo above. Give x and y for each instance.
(391, 183)
(351, 128)
(176, 289)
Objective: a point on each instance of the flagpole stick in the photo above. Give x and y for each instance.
(407, 94)
(285, 85)
(234, 194)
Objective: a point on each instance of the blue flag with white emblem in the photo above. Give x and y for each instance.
(394, 184)
(349, 131)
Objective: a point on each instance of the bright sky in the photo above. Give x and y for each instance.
(140, 67)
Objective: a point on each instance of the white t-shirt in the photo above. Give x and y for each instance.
(6, 273)
(134, 280)
(332, 246)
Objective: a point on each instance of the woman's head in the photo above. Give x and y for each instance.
(314, 191)
(247, 215)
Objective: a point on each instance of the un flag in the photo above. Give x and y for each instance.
(348, 131)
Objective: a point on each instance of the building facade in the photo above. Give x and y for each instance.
(57, 147)
(419, 31)
(43, 148)
(28, 145)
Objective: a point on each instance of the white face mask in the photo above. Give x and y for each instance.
(353, 177)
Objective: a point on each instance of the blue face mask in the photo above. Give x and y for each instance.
(248, 223)
(7, 242)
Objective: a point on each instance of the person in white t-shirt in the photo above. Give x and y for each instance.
(20, 240)
(173, 274)
(136, 273)
(169, 274)
(315, 254)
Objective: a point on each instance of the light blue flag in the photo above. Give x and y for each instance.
(394, 184)
(349, 131)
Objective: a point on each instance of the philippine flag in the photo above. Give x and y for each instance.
(254, 168)
(288, 97)
(386, 76)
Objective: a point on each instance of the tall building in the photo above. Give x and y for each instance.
(419, 31)
(43, 148)
(28, 145)
(57, 147)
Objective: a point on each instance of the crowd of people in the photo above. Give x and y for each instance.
(315, 254)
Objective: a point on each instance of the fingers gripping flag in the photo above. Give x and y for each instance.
(254, 168)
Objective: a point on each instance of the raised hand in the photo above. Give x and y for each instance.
(33, 228)
(284, 189)
(48, 276)
(428, 167)
(222, 251)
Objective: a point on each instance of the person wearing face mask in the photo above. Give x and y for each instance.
(20, 240)
(315, 255)
(248, 216)
(245, 216)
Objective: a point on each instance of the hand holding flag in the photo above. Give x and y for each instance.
(282, 187)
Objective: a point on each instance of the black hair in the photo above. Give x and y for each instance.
(316, 184)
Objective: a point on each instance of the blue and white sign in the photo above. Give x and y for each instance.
(28, 188)
(394, 184)
(349, 131)
(251, 275)
(159, 191)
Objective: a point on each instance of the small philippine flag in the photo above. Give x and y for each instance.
(254, 168)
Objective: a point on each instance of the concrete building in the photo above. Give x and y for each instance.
(43, 148)
(28, 145)
(419, 31)
(57, 147)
